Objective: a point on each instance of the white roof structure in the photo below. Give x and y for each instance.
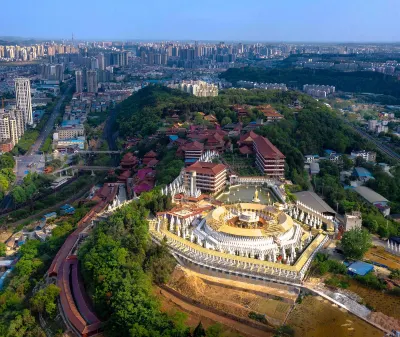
(370, 195)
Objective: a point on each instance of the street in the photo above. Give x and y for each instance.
(45, 132)
(32, 158)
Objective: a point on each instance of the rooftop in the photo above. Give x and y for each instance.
(370, 195)
(362, 172)
(312, 200)
(206, 168)
(266, 148)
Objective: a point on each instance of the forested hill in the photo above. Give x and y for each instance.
(358, 81)
(310, 131)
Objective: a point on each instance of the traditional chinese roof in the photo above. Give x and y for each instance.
(150, 154)
(193, 146)
(206, 168)
(267, 149)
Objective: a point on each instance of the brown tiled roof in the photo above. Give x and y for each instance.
(151, 154)
(152, 162)
(248, 137)
(245, 150)
(267, 149)
(206, 168)
(193, 146)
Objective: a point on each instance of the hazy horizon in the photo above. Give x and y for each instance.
(292, 21)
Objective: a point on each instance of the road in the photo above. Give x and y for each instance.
(32, 156)
(382, 147)
(45, 132)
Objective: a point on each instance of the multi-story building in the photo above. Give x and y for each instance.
(23, 99)
(196, 88)
(193, 151)
(71, 132)
(11, 128)
(269, 159)
(91, 80)
(79, 81)
(366, 155)
(318, 90)
(101, 61)
(208, 177)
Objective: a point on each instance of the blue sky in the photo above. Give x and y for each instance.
(245, 20)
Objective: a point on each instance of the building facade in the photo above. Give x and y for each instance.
(208, 177)
(91, 80)
(23, 99)
(269, 159)
(78, 81)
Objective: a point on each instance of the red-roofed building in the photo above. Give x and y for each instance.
(208, 177)
(241, 110)
(269, 159)
(129, 161)
(124, 176)
(149, 156)
(152, 163)
(215, 142)
(248, 138)
(193, 150)
(270, 113)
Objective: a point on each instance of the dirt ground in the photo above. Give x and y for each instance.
(235, 301)
(317, 317)
(230, 328)
(381, 302)
(380, 255)
(4, 235)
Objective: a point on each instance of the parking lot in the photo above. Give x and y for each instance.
(30, 163)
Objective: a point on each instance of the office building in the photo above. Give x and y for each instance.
(79, 81)
(23, 99)
(91, 80)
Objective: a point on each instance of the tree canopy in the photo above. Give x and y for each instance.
(355, 243)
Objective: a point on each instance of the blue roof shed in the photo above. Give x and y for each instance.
(361, 172)
(360, 268)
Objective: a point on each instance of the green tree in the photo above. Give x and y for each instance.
(225, 121)
(355, 243)
(7, 161)
(214, 330)
(18, 195)
(3, 249)
(44, 301)
(284, 331)
(347, 162)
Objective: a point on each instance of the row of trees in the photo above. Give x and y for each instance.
(7, 176)
(119, 264)
(357, 81)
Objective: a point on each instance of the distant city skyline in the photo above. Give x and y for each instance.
(292, 21)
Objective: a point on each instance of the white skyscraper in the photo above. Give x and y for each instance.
(23, 98)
